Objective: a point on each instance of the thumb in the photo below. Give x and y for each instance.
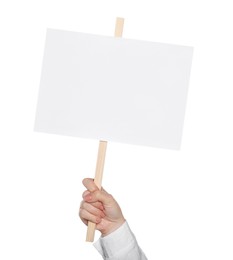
(90, 184)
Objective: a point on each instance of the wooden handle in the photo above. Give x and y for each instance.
(98, 181)
(102, 149)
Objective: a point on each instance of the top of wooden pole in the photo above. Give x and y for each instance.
(119, 27)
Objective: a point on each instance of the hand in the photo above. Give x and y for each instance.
(101, 208)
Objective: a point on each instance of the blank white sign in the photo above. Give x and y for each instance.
(113, 89)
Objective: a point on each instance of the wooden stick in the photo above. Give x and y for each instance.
(119, 27)
(102, 150)
(98, 181)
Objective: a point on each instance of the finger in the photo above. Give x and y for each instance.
(85, 193)
(96, 204)
(83, 220)
(93, 210)
(90, 185)
(101, 196)
(87, 216)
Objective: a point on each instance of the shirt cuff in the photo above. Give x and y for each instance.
(116, 243)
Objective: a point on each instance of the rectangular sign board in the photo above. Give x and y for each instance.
(113, 89)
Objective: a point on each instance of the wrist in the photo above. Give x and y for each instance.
(113, 226)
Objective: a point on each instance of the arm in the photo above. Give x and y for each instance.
(117, 240)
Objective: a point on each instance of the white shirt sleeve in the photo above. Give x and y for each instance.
(120, 245)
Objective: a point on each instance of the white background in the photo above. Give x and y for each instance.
(179, 204)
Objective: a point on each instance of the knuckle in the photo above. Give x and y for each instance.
(84, 193)
(109, 197)
(81, 212)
